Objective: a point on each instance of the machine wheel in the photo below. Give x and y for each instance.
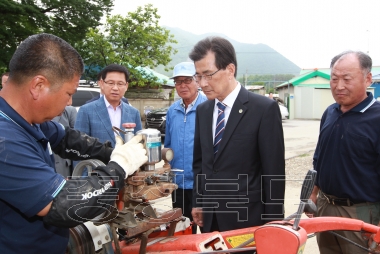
(84, 168)
(80, 241)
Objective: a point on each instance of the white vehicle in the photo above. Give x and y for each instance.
(284, 111)
(84, 94)
(84, 82)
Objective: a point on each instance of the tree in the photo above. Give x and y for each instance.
(134, 41)
(69, 19)
(96, 52)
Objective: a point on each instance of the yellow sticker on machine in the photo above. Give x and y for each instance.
(239, 239)
(301, 249)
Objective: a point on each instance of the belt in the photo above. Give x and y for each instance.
(338, 201)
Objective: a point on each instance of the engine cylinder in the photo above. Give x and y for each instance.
(152, 145)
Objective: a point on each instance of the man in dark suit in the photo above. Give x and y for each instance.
(239, 166)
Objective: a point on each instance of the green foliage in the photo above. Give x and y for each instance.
(134, 41)
(269, 78)
(258, 83)
(67, 19)
(96, 51)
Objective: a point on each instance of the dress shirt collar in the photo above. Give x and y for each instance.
(230, 99)
(108, 105)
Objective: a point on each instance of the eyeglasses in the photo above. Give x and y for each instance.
(186, 81)
(111, 83)
(198, 78)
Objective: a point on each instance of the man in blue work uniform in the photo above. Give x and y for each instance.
(347, 157)
(38, 205)
(180, 127)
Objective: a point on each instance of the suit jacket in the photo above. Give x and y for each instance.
(67, 119)
(97, 97)
(93, 119)
(237, 185)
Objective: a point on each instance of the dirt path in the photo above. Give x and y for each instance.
(292, 194)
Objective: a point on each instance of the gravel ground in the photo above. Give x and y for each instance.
(297, 167)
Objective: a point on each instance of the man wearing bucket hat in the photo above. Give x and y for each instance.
(180, 126)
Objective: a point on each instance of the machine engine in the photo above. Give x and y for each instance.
(136, 216)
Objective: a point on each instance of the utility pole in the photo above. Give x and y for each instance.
(245, 80)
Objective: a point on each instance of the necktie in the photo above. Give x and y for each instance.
(219, 129)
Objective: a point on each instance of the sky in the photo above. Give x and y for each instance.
(309, 33)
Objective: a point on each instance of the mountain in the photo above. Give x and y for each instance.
(252, 58)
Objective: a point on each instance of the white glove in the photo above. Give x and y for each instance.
(129, 156)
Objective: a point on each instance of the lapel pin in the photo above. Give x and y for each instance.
(240, 111)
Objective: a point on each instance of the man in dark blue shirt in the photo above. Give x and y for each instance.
(38, 205)
(347, 157)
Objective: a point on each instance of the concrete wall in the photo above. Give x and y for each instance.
(303, 99)
(322, 99)
(156, 103)
(284, 92)
(153, 98)
(310, 103)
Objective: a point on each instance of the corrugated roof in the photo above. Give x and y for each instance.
(306, 74)
(324, 70)
(161, 77)
(254, 87)
(375, 70)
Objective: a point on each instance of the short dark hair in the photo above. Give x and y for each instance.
(99, 76)
(365, 60)
(115, 68)
(222, 48)
(48, 55)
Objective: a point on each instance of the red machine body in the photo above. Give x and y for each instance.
(143, 223)
(274, 237)
(279, 238)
